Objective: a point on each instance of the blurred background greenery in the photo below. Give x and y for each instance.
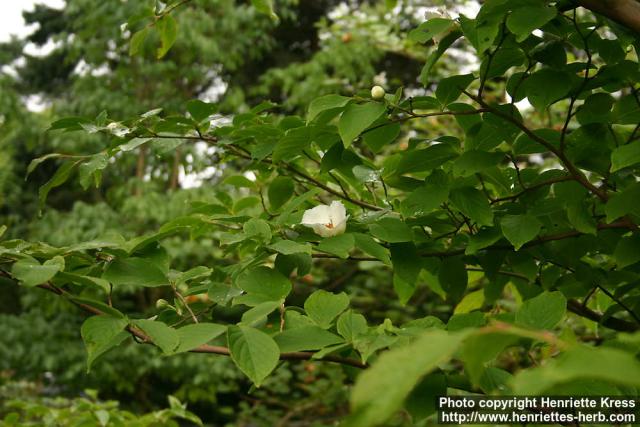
(227, 53)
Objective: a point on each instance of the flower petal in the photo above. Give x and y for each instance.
(339, 228)
(317, 215)
(337, 212)
(323, 231)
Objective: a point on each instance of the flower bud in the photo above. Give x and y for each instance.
(377, 92)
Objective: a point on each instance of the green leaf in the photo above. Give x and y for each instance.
(543, 311)
(221, 293)
(91, 168)
(453, 277)
(201, 110)
(239, 181)
(305, 338)
(482, 31)
(289, 247)
(474, 161)
(430, 29)
(324, 103)
(31, 273)
(422, 401)
(84, 280)
(502, 60)
(280, 191)
(520, 229)
(339, 245)
(472, 301)
(546, 86)
(610, 51)
(292, 144)
(133, 143)
(257, 228)
(368, 245)
(196, 273)
(322, 306)
(102, 307)
(424, 200)
(60, 177)
(483, 238)
(406, 268)
(265, 282)
(627, 110)
(480, 349)
(380, 390)
(100, 334)
(523, 20)
(135, 271)
(165, 337)
(137, 40)
(580, 362)
(197, 334)
(458, 322)
(351, 325)
(627, 251)
(391, 230)
(356, 118)
(265, 7)
(168, 29)
(69, 124)
(473, 203)
(253, 351)
(425, 160)
(580, 218)
(36, 162)
(450, 88)
(382, 136)
(443, 45)
(299, 261)
(623, 203)
(259, 313)
(596, 109)
(625, 155)
(365, 174)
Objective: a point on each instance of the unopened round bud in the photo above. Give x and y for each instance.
(161, 303)
(377, 92)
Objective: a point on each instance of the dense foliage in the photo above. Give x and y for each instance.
(444, 236)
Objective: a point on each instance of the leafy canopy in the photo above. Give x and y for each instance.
(521, 219)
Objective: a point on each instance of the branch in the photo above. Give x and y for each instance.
(328, 189)
(624, 12)
(411, 115)
(570, 167)
(205, 348)
(455, 252)
(610, 322)
(534, 187)
(620, 303)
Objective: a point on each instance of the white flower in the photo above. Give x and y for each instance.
(326, 220)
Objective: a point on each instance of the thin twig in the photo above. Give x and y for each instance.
(186, 304)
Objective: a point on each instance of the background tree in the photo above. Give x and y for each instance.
(490, 245)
